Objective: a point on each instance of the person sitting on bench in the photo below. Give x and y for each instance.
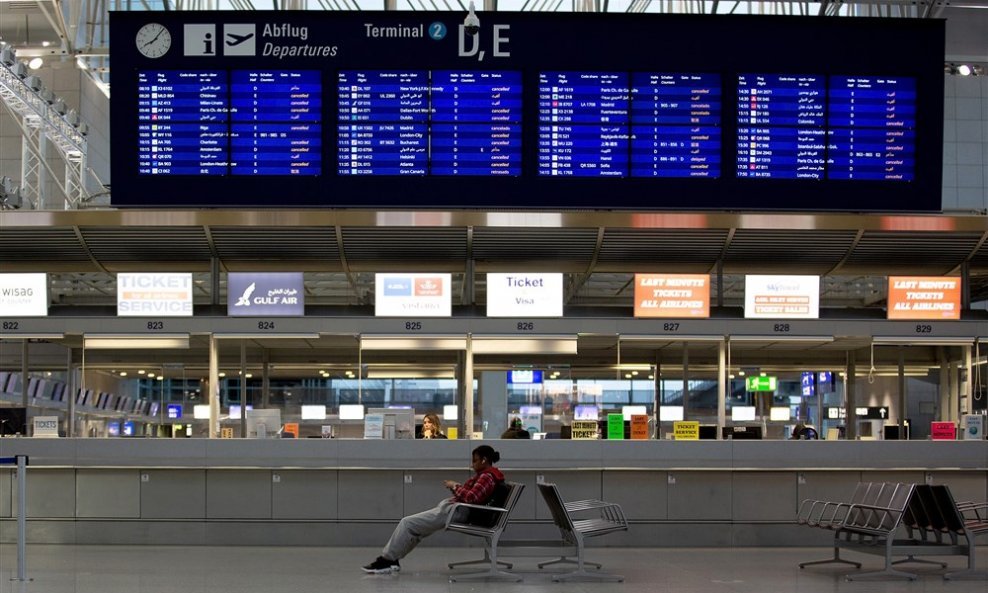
(477, 490)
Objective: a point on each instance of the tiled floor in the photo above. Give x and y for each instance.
(162, 569)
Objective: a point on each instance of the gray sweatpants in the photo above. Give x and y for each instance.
(413, 528)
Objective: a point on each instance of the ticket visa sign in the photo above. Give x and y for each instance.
(686, 431)
(924, 297)
(161, 295)
(412, 295)
(524, 295)
(672, 295)
(781, 297)
(269, 294)
(24, 295)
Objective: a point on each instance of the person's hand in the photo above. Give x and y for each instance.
(427, 434)
(451, 485)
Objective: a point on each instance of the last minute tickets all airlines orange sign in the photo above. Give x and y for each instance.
(672, 295)
(924, 297)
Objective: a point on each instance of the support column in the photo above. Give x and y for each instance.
(468, 389)
(70, 387)
(24, 379)
(686, 380)
(722, 384)
(952, 391)
(265, 379)
(850, 420)
(657, 389)
(943, 395)
(243, 389)
(902, 392)
(966, 384)
(494, 396)
(214, 386)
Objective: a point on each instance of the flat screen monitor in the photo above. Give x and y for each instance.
(708, 432)
(586, 412)
(262, 424)
(399, 423)
(743, 432)
(13, 421)
(112, 429)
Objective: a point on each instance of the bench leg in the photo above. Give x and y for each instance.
(581, 574)
(565, 560)
(485, 560)
(970, 573)
(492, 574)
(888, 572)
(913, 559)
(835, 560)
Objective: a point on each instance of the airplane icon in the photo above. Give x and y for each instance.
(234, 39)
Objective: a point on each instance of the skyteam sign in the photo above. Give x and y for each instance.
(268, 294)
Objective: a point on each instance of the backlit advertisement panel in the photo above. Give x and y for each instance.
(924, 297)
(524, 295)
(159, 295)
(412, 295)
(672, 295)
(781, 297)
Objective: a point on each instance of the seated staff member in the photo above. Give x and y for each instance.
(432, 428)
(477, 490)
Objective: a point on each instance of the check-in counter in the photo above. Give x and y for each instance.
(352, 492)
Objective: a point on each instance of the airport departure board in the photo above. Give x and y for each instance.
(409, 110)
(429, 123)
(242, 122)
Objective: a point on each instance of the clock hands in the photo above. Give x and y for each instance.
(155, 38)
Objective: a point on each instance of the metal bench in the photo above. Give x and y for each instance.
(871, 528)
(486, 521)
(569, 517)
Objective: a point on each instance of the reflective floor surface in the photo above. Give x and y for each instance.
(173, 569)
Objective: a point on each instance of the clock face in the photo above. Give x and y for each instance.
(153, 40)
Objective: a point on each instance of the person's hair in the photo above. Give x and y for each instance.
(487, 452)
(434, 418)
(516, 423)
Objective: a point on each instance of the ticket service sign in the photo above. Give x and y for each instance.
(24, 295)
(524, 295)
(268, 294)
(781, 297)
(672, 295)
(924, 297)
(412, 295)
(162, 295)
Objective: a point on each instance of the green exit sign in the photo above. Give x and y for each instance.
(760, 383)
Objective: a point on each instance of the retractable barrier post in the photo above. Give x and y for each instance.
(21, 461)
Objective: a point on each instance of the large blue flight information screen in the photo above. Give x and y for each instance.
(240, 122)
(872, 128)
(675, 125)
(182, 123)
(781, 126)
(429, 123)
(583, 124)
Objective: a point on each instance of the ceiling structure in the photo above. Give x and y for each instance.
(340, 250)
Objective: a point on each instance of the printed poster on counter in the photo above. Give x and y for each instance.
(276, 294)
(781, 297)
(672, 295)
(154, 295)
(24, 295)
(928, 298)
(412, 295)
(524, 295)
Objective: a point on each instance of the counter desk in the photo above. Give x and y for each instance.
(352, 492)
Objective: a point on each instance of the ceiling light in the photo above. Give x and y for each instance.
(123, 373)
(741, 373)
(963, 69)
(36, 63)
(161, 377)
(249, 376)
(222, 375)
(45, 43)
(140, 372)
(150, 375)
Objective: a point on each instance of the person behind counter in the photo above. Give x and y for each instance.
(479, 489)
(516, 431)
(432, 428)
